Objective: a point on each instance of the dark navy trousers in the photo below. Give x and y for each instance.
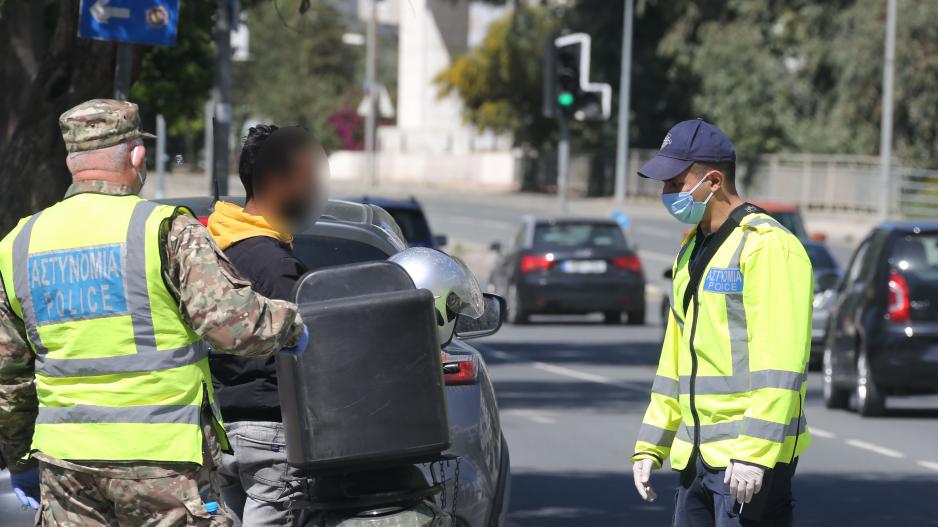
(703, 500)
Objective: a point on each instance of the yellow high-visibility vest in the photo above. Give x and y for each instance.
(119, 375)
(732, 375)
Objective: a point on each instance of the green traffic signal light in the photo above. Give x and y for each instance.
(565, 99)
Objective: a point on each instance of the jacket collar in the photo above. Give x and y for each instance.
(98, 187)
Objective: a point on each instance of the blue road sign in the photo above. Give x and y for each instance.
(138, 21)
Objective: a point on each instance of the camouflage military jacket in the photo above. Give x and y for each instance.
(214, 300)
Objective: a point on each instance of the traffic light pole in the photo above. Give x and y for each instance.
(622, 147)
(221, 94)
(563, 161)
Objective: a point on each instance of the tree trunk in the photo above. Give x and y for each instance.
(32, 163)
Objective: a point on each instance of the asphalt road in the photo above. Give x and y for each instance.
(571, 395)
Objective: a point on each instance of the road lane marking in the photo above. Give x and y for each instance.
(822, 433)
(881, 450)
(533, 415)
(931, 465)
(501, 355)
(583, 376)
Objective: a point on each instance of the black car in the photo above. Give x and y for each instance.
(826, 279)
(409, 217)
(570, 265)
(883, 332)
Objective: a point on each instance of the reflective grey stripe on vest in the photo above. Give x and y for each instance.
(727, 385)
(665, 386)
(736, 319)
(135, 278)
(749, 426)
(181, 414)
(163, 360)
(766, 221)
(655, 435)
(21, 282)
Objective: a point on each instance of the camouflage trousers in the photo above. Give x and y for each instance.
(71, 498)
(136, 494)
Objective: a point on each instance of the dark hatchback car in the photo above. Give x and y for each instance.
(570, 265)
(883, 332)
(409, 217)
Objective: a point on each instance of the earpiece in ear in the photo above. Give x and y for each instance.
(136, 155)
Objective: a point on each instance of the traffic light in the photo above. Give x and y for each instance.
(567, 89)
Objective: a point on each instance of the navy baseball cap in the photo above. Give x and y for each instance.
(686, 143)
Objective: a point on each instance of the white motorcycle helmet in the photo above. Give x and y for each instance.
(455, 289)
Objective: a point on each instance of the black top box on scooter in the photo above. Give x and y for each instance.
(368, 392)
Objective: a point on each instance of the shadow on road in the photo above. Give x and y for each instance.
(542, 395)
(608, 498)
(577, 499)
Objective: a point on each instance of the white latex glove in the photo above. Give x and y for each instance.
(745, 481)
(641, 471)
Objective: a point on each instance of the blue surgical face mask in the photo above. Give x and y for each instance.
(684, 207)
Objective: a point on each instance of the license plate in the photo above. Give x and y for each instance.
(584, 266)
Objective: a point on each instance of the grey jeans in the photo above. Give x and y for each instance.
(254, 479)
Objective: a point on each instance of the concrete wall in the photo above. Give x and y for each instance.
(489, 170)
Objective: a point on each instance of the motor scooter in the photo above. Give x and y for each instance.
(364, 408)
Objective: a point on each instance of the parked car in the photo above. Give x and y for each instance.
(570, 265)
(883, 330)
(826, 279)
(409, 217)
(353, 232)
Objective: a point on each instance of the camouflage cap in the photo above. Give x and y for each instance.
(100, 123)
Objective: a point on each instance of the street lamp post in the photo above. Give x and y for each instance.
(885, 126)
(371, 92)
(625, 78)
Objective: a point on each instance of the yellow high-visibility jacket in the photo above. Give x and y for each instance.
(731, 379)
(119, 374)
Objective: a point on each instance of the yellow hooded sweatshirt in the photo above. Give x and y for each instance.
(229, 224)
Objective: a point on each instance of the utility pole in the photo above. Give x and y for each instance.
(885, 125)
(563, 161)
(625, 84)
(160, 156)
(221, 94)
(370, 93)
(122, 65)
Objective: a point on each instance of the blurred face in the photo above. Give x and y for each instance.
(303, 188)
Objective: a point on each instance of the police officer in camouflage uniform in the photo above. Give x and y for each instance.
(105, 302)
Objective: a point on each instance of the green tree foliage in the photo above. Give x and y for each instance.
(776, 75)
(499, 82)
(177, 80)
(806, 75)
(300, 72)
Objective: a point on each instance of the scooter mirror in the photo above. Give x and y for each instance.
(489, 323)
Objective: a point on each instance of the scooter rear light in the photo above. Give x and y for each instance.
(898, 308)
(459, 369)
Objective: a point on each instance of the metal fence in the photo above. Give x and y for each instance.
(830, 183)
